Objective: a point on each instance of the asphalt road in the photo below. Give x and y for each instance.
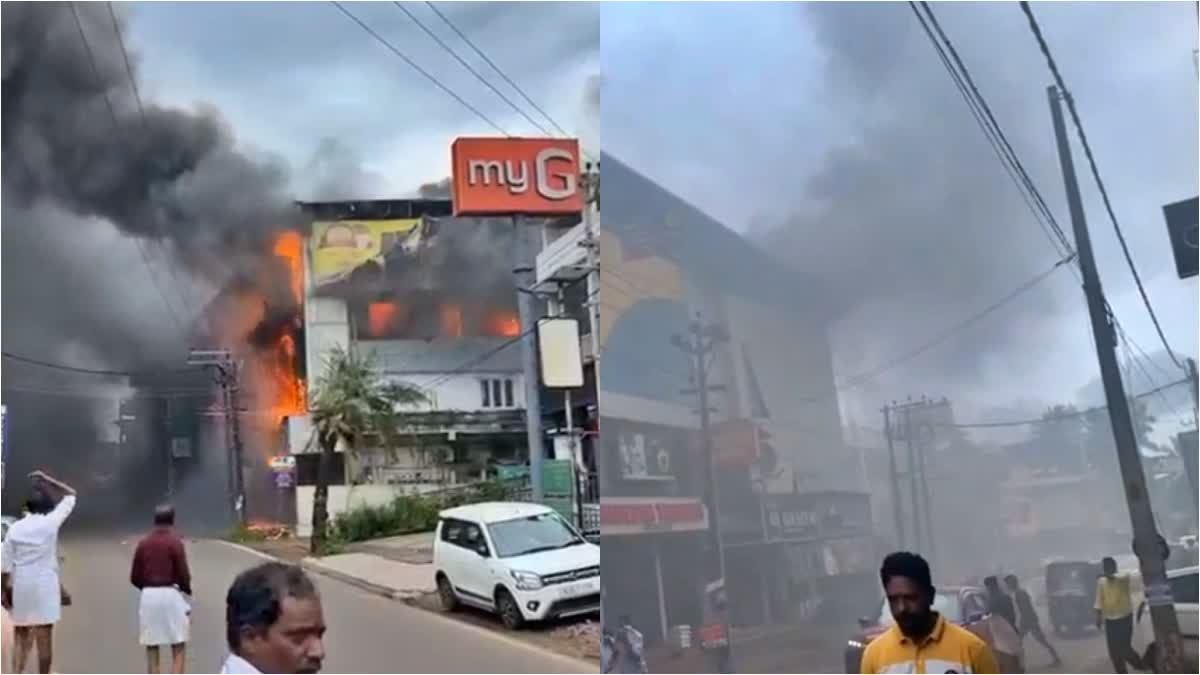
(366, 634)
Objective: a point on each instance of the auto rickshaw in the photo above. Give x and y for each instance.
(1071, 595)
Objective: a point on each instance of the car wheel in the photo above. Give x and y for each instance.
(446, 593)
(510, 612)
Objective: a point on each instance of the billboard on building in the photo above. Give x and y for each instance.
(339, 247)
(516, 176)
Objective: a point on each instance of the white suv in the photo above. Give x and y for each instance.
(524, 562)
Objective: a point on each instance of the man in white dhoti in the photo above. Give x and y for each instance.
(30, 568)
(160, 572)
(274, 622)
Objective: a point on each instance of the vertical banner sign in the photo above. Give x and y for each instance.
(516, 177)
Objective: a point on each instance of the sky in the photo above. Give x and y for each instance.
(297, 79)
(832, 131)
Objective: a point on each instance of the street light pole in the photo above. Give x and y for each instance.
(1141, 517)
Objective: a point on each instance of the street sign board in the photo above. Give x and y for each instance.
(516, 176)
(1182, 228)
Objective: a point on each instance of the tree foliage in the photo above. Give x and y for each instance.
(352, 405)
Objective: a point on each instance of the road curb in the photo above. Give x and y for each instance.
(368, 586)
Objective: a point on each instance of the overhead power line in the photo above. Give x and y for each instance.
(87, 48)
(1087, 151)
(471, 69)
(495, 67)
(88, 371)
(1054, 418)
(413, 64)
(995, 135)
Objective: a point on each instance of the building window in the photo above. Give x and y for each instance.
(497, 393)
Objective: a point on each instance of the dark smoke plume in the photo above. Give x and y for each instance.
(159, 174)
(912, 211)
(86, 173)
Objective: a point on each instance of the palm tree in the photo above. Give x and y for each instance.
(351, 404)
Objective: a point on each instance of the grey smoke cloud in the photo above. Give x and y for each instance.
(174, 176)
(840, 143)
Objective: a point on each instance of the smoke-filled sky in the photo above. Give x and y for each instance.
(832, 131)
(248, 106)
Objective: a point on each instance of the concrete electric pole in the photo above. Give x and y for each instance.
(1141, 517)
(699, 344)
(524, 258)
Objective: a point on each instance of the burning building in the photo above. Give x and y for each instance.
(432, 299)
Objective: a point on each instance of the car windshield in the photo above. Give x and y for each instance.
(521, 536)
(945, 604)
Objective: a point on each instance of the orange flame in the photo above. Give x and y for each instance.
(452, 321)
(290, 395)
(380, 316)
(505, 324)
(290, 247)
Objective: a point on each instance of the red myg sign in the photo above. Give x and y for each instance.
(516, 176)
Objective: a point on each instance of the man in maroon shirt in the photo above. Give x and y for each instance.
(160, 572)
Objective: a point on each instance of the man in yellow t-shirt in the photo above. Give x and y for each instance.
(920, 640)
(1114, 611)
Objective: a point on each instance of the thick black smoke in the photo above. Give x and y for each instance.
(86, 173)
(164, 175)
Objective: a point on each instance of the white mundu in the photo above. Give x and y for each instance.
(30, 555)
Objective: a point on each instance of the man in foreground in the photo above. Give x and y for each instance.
(1114, 611)
(920, 640)
(160, 573)
(1028, 622)
(274, 622)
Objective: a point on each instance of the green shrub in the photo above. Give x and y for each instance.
(410, 514)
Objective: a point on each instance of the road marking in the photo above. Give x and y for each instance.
(575, 665)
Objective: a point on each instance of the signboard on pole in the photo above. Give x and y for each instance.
(1184, 232)
(283, 469)
(516, 177)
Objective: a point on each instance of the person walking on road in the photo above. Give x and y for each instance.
(1114, 611)
(1027, 617)
(920, 640)
(274, 622)
(31, 569)
(999, 601)
(160, 572)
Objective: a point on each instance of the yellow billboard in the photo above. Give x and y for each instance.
(340, 246)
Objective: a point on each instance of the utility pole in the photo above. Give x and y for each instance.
(1194, 389)
(533, 396)
(170, 452)
(1141, 517)
(699, 344)
(897, 511)
(226, 372)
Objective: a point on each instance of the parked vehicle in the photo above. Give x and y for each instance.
(1071, 595)
(1184, 587)
(966, 606)
(522, 561)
